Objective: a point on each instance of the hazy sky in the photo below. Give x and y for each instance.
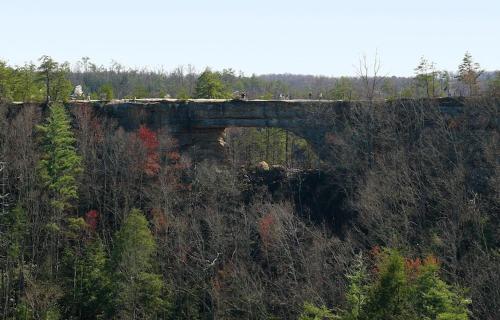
(323, 37)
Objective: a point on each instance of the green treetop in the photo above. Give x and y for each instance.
(433, 298)
(138, 288)
(5, 81)
(311, 312)
(47, 69)
(494, 86)
(54, 75)
(399, 289)
(388, 296)
(106, 92)
(27, 87)
(91, 298)
(426, 77)
(468, 73)
(342, 90)
(210, 86)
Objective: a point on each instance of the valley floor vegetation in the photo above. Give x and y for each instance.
(398, 218)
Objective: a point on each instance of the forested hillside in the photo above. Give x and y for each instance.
(397, 219)
(27, 82)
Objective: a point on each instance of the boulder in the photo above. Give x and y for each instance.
(263, 166)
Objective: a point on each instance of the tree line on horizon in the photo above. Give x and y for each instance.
(30, 82)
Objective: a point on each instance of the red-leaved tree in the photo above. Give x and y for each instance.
(91, 219)
(150, 142)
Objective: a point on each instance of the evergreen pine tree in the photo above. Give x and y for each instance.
(402, 289)
(387, 297)
(138, 289)
(54, 76)
(13, 245)
(58, 168)
(426, 77)
(312, 312)
(468, 73)
(5, 82)
(91, 286)
(432, 297)
(47, 68)
(60, 164)
(357, 290)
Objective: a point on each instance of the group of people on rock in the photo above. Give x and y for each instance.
(242, 95)
(310, 95)
(320, 95)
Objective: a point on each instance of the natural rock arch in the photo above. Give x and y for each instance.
(200, 124)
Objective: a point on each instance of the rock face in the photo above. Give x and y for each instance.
(198, 125)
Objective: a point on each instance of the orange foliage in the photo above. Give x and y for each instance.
(149, 138)
(265, 228)
(174, 156)
(223, 277)
(375, 251)
(331, 138)
(431, 260)
(159, 221)
(454, 123)
(150, 142)
(413, 265)
(91, 219)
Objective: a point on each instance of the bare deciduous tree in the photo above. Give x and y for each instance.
(369, 73)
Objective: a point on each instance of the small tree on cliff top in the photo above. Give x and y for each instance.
(210, 86)
(54, 76)
(468, 73)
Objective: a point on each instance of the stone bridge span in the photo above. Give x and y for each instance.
(198, 125)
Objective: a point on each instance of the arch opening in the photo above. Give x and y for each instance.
(276, 146)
